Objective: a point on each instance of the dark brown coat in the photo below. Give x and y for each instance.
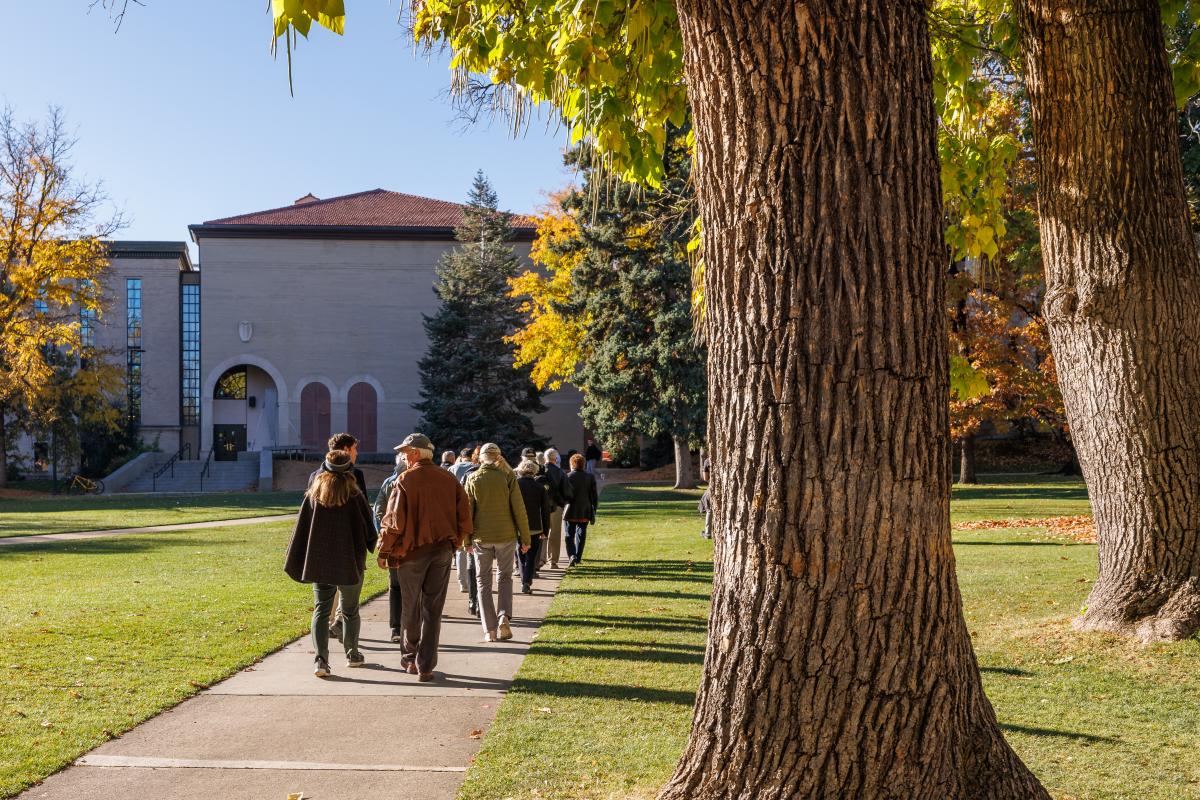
(330, 543)
(427, 505)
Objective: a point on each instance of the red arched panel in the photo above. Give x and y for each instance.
(314, 416)
(361, 415)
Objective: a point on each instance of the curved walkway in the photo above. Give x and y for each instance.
(273, 729)
(179, 526)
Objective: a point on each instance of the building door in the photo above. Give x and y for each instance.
(361, 415)
(314, 416)
(228, 441)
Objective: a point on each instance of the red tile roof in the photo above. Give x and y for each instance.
(377, 208)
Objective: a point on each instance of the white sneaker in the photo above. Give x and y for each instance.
(490, 636)
(505, 632)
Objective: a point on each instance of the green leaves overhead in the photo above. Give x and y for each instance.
(299, 15)
(613, 69)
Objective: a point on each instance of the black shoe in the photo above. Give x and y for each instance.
(397, 636)
(355, 660)
(572, 561)
(473, 609)
(320, 667)
(527, 589)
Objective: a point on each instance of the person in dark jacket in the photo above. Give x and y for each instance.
(592, 455)
(536, 494)
(560, 495)
(581, 511)
(334, 532)
(341, 441)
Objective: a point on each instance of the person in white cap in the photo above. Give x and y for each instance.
(500, 521)
(428, 516)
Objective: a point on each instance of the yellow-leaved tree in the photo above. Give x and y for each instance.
(52, 258)
(550, 341)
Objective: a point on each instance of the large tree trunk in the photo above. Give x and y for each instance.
(683, 464)
(966, 464)
(838, 663)
(1123, 291)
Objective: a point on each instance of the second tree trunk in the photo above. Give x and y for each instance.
(1122, 299)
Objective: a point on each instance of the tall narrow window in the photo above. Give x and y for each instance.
(190, 374)
(87, 327)
(133, 344)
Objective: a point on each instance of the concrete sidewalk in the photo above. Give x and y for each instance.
(275, 729)
(179, 526)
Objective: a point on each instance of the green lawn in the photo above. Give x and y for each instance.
(100, 634)
(602, 705)
(64, 514)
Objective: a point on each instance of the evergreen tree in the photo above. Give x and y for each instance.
(642, 373)
(469, 389)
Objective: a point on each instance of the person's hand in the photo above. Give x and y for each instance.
(383, 562)
(524, 548)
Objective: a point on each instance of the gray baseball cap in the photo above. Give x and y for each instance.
(415, 441)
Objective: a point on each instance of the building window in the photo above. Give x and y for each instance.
(232, 384)
(133, 344)
(190, 373)
(87, 327)
(133, 378)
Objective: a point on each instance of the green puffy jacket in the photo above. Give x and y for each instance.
(497, 507)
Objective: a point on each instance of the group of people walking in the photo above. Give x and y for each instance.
(473, 511)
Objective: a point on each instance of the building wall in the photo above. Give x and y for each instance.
(335, 311)
(160, 339)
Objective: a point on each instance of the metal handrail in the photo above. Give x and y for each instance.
(170, 465)
(207, 467)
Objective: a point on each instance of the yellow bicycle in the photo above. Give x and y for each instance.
(81, 485)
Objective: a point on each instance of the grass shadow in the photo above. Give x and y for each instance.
(1051, 732)
(640, 694)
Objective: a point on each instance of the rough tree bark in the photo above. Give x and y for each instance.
(839, 664)
(1122, 300)
(683, 465)
(966, 464)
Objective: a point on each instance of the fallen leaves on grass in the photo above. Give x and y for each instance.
(1079, 528)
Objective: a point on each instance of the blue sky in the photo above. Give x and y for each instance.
(185, 116)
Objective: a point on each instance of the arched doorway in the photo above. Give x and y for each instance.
(361, 416)
(314, 415)
(245, 411)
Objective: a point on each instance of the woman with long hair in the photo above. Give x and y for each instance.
(334, 532)
(581, 511)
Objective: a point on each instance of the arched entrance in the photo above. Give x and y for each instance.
(245, 411)
(315, 405)
(362, 405)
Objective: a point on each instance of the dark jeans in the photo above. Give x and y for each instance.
(323, 595)
(576, 537)
(423, 577)
(395, 612)
(529, 560)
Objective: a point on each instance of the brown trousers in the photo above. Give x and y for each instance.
(423, 577)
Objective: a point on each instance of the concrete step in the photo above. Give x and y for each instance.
(223, 476)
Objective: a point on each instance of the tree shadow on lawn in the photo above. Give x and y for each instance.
(1088, 737)
(658, 570)
(119, 545)
(676, 595)
(1013, 671)
(605, 691)
(672, 624)
(648, 653)
(1043, 492)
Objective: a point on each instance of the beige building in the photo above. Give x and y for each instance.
(312, 322)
